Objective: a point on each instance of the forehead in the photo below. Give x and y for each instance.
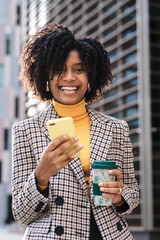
(74, 57)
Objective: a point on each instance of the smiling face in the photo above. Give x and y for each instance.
(70, 86)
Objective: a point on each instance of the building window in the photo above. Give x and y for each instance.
(131, 112)
(6, 139)
(130, 84)
(18, 17)
(8, 50)
(16, 107)
(133, 124)
(130, 98)
(130, 57)
(134, 138)
(10, 217)
(1, 75)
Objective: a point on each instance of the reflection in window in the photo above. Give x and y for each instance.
(130, 57)
(115, 115)
(130, 84)
(130, 71)
(110, 30)
(111, 93)
(130, 98)
(8, 44)
(1, 75)
(18, 17)
(134, 138)
(113, 54)
(6, 139)
(128, 33)
(133, 124)
(111, 105)
(136, 151)
(131, 112)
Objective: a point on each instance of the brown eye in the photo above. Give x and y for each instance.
(79, 70)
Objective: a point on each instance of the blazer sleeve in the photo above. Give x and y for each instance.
(28, 204)
(130, 190)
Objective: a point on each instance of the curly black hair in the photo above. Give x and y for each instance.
(47, 51)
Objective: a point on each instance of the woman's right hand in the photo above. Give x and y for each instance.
(53, 160)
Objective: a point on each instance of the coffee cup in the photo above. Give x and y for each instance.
(100, 174)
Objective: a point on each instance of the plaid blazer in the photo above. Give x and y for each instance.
(65, 214)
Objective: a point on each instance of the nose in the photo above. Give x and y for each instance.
(69, 75)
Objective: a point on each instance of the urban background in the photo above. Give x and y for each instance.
(130, 32)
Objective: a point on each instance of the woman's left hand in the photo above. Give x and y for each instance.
(112, 189)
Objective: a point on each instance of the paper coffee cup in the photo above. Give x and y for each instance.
(100, 174)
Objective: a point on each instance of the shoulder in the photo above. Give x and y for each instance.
(103, 118)
(33, 121)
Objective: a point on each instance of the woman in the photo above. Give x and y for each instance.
(52, 192)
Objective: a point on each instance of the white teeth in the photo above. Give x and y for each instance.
(69, 88)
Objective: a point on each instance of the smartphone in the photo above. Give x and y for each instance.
(61, 126)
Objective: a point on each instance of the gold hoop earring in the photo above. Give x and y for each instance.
(47, 87)
(89, 87)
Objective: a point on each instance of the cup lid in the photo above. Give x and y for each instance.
(104, 165)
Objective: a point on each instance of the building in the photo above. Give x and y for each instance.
(11, 97)
(129, 30)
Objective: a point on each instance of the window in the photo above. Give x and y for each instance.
(130, 84)
(16, 107)
(113, 54)
(111, 93)
(6, 139)
(130, 71)
(18, 17)
(130, 57)
(133, 124)
(10, 217)
(134, 138)
(111, 105)
(8, 44)
(1, 75)
(115, 115)
(128, 33)
(131, 112)
(130, 98)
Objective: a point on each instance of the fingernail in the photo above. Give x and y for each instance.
(76, 138)
(110, 171)
(65, 136)
(102, 189)
(100, 184)
(81, 146)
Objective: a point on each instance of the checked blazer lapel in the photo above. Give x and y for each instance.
(100, 136)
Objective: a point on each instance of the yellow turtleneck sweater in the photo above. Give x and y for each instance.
(82, 124)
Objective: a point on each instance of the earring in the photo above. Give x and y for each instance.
(47, 87)
(89, 87)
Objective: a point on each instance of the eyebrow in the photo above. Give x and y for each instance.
(78, 64)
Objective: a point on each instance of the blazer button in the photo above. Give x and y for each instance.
(59, 201)
(119, 226)
(59, 230)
